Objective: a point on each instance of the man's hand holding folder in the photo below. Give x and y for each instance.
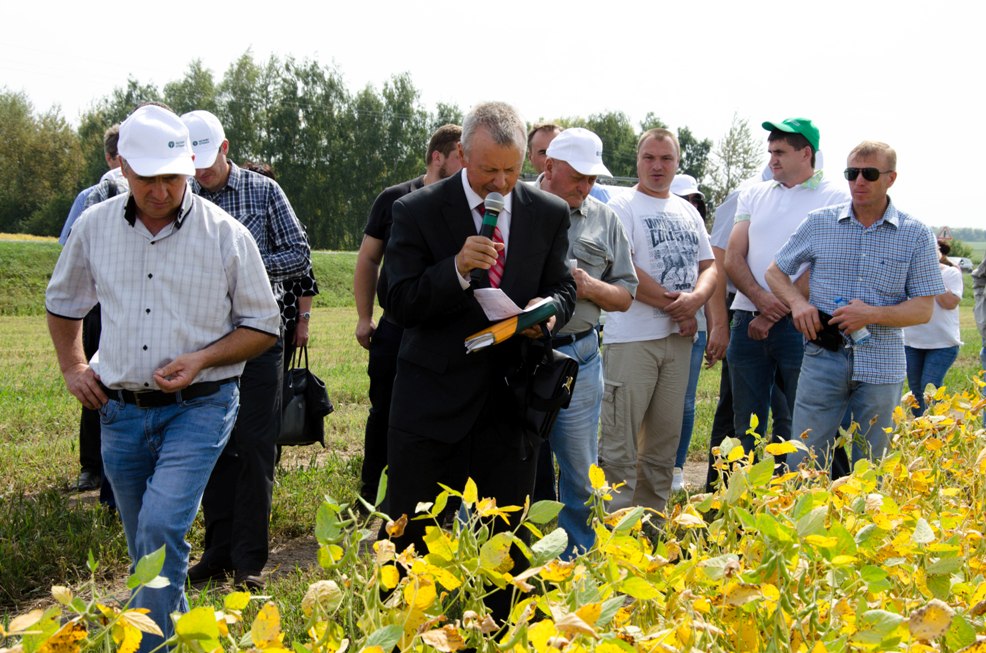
(528, 319)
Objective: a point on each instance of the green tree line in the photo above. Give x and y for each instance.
(333, 149)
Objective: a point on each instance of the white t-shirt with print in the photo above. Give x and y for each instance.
(668, 240)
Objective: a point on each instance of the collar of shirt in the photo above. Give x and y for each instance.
(811, 183)
(130, 208)
(473, 198)
(581, 210)
(890, 215)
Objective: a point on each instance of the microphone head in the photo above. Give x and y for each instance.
(493, 202)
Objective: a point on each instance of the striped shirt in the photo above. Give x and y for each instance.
(261, 206)
(884, 264)
(162, 294)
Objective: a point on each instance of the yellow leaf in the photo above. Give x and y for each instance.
(199, 626)
(823, 541)
(735, 454)
(570, 623)
(445, 639)
(557, 571)
(389, 577)
(66, 640)
(471, 494)
(61, 594)
(23, 622)
(590, 612)
(420, 593)
(689, 518)
(780, 448)
(236, 600)
(742, 593)
(597, 478)
(127, 639)
(539, 634)
(141, 621)
(372, 649)
(840, 560)
(266, 629)
(931, 620)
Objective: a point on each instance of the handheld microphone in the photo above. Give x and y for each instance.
(492, 206)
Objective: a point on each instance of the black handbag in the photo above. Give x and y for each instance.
(543, 385)
(305, 403)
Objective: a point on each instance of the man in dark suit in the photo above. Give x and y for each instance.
(452, 415)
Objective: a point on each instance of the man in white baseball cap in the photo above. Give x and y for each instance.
(605, 278)
(185, 300)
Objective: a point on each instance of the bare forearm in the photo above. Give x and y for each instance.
(948, 300)
(66, 335)
(609, 297)
(364, 287)
(742, 277)
(782, 286)
(916, 310)
(649, 291)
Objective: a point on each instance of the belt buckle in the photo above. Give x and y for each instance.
(137, 401)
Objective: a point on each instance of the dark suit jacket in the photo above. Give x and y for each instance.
(439, 390)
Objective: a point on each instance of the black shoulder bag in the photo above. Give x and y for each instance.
(305, 403)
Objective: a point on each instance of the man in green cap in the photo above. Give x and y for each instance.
(763, 340)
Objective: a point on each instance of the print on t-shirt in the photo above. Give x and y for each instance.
(673, 255)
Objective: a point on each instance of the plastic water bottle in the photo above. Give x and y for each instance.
(860, 335)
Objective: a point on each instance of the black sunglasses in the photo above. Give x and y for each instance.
(869, 174)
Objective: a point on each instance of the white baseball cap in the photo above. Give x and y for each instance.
(207, 136)
(685, 185)
(154, 141)
(581, 149)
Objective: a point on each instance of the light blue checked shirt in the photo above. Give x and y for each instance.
(261, 206)
(884, 265)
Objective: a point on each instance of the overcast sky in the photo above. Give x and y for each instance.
(904, 72)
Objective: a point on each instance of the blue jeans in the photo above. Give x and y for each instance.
(688, 418)
(825, 392)
(158, 461)
(926, 366)
(753, 365)
(575, 442)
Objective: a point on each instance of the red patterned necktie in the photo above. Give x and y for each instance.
(496, 272)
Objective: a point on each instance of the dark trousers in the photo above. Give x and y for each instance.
(90, 458)
(382, 369)
(495, 454)
(237, 500)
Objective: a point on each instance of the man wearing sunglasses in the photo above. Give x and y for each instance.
(884, 264)
(763, 342)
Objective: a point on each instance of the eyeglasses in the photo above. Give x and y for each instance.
(869, 174)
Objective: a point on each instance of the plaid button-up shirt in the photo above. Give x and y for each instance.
(885, 264)
(261, 206)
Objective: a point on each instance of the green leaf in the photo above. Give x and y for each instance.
(922, 532)
(944, 566)
(629, 521)
(872, 573)
(940, 586)
(746, 518)
(610, 607)
(494, 555)
(544, 511)
(91, 562)
(147, 570)
(617, 642)
(328, 527)
(813, 523)
(846, 544)
(440, 502)
(772, 528)
(45, 627)
(386, 637)
(715, 568)
(550, 546)
(960, 633)
(881, 622)
(640, 588)
(198, 626)
(761, 473)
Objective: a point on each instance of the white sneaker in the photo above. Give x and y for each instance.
(677, 480)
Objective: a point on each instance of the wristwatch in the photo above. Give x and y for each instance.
(307, 315)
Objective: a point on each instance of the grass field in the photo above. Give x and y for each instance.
(45, 534)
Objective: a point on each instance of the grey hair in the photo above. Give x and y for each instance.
(500, 120)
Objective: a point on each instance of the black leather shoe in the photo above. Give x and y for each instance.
(247, 580)
(88, 480)
(202, 572)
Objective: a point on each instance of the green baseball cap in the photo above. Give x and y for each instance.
(801, 126)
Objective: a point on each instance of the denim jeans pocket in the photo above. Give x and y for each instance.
(109, 411)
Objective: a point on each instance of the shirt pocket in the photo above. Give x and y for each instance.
(890, 277)
(592, 257)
